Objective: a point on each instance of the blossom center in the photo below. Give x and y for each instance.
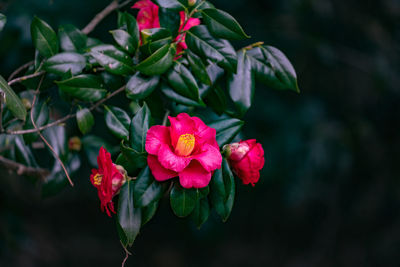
(97, 179)
(185, 145)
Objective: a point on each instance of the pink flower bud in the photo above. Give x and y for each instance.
(246, 159)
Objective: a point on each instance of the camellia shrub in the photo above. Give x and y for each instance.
(183, 89)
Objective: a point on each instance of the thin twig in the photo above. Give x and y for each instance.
(100, 16)
(42, 137)
(127, 253)
(18, 70)
(26, 77)
(22, 169)
(69, 116)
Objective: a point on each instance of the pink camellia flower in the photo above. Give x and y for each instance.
(187, 149)
(108, 179)
(246, 159)
(147, 18)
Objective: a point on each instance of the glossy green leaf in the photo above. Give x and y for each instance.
(138, 130)
(170, 4)
(182, 200)
(223, 191)
(125, 41)
(85, 120)
(148, 212)
(222, 25)
(113, 59)
(216, 99)
(159, 62)
(146, 189)
(3, 21)
(169, 20)
(273, 68)
(198, 68)
(71, 38)
(226, 129)
(136, 159)
(183, 82)
(86, 87)
(44, 38)
(201, 212)
(140, 87)
(64, 62)
(12, 101)
(215, 73)
(204, 45)
(241, 85)
(23, 153)
(129, 216)
(128, 23)
(117, 121)
(155, 34)
(172, 95)
(57, 138)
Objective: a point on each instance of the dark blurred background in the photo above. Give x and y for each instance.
(329, 193)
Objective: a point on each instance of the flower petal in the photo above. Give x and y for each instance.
(156, 136)
(170, 161)
(210, 158)
(194, 176)
(181, 124)
(205, 134)
(159, 172)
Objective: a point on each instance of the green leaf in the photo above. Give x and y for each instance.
(57, 138)
(219, 51)
(170, 4)
(117, 120)
(182, 200)
(183, 82)
(128, 23)
(125, 41)
(222, 25)
(23, 153)
(3, 21)
(64, 62)
(155, 34)
(198, 68)
(201, 212)
(159, 62)
(12, 101)
(148, 212)
(129, 216)
(136, 159)
(71, 38)
(112, 59)
(223, 191)
(227, 129)
(140, 87)
(146, 189)
(86, 87)
(273, 68)
(85, 120)
(216, 99)
(44, 38)
(172, 95)
(241, 84)
(139, 126)
(169, 20)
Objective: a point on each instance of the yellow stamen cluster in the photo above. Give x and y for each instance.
(97, 179)
(185, 145)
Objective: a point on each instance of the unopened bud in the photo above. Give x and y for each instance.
(74, 143)
(236, 151)
(27, 104)
(192, 2)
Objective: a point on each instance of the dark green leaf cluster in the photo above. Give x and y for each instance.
(209, 79)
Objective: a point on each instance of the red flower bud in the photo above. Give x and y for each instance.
(246, 159)
(108, 179)
(74, 143)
